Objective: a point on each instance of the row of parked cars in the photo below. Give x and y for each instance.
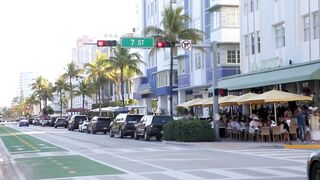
(134, 125)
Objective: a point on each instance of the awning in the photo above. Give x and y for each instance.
(77, 110)
(190, 103)
(289, 74)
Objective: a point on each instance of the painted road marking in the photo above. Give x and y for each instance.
(65, 167)
(72, 172)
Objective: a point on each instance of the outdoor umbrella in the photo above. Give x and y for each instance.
(228, 100)
(190, 103)
(244, 97)
(275, 96)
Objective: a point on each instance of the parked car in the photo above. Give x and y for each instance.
(99, 124)
(313, 166)
(45, 122)
(151, 125)
(84, 126)
(61, 122)
(124, 125)
(75, 120)
(24, 122)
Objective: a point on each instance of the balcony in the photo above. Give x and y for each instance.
(214, 4)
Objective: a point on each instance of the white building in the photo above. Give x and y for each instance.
(26, 79)
(280, 47)
(219, 20)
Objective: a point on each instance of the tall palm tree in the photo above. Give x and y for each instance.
(173, 29)
(38, 87)
(85, 89)
(122, 59)
(72, 71)
(60, 86)
(31, 102)
(97, 71)
(47, 93)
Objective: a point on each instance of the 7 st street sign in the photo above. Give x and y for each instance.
(135, 42)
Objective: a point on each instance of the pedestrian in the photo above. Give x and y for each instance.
(301, 116)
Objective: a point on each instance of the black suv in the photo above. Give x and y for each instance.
(60, 122)
(151, 126)
(75, 120)
(99, 124)
(124, 125)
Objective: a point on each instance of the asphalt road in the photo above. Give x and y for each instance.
(142, 160)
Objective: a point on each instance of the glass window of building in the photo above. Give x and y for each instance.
(231, 56)
(197, 23)
(216, 19)
(229, 17)
(245, 7)
(306, 27)
(280, 35)
(258, 42)
(251, 6)
(252, 43)
(181, 66)
(198, 60)
(238, 56)
(246, 44)
(315, 25)
(218, 57)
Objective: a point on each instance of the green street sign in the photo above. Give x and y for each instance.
(137, 42)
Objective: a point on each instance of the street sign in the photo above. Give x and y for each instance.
(186, 44)
(137, 42)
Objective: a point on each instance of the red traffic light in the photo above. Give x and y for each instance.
(220, 92)
(104, 43)
(163, 44)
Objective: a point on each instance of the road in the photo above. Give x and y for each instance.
(46, 153)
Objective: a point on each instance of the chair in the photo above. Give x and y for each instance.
(276, 133)
(229, 133)
(293, 131)
(265, 132)
(236, 134)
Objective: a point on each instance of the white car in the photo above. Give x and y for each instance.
(84, 126)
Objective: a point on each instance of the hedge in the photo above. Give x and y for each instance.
(188, 131)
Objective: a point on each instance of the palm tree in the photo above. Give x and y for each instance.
(122, 60)
(38, 87)
(72, 72)
(97, 71)
(174, 23)
(31, 102)
(47, 93)
(60, 86)
(85, 89)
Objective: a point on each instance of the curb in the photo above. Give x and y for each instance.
(302, 146)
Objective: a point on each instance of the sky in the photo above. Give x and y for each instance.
(38, 35)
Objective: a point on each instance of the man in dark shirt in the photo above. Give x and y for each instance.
(301, 116)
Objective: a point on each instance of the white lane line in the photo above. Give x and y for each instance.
(133, 177)
(181, 175)
(296, 168)
(276, 172)
(228, 174)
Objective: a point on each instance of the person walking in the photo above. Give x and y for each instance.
(301, 114)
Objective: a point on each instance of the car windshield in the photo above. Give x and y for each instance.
(161, 119)
(134, 118)
(61, 120)
(80, 118)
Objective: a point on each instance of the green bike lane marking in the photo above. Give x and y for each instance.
(47, 167)
(63, 166)
(18, 142)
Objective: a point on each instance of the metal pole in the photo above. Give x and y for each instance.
(215, 105)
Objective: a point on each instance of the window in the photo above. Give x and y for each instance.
(198, 60)
(238, 56)
(162, 79)
(315, 25)
(218, 57)
(258, 42)
(216, 19)
(197, 23)
(231, 56)
(251, 6)
(246, 44)
(252, 43)
(306, 28)
(280, 35)
(245, 7)
(231, 17)
(181, 67)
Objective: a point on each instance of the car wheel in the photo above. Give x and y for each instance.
(120, 133)
(111, 133)
(136, 137)
(158, 138)
(315, 171)
(55, 127)
(146, 136)
(104, 132)
(93, 131)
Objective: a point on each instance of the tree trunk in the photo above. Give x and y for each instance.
(108, 93)
(40, 107)
(71, 98)
(129, 88)
(83, 99)
(99, 97)
(60, 103)
(122, 85)
(171, 74)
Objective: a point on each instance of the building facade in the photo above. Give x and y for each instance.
(219, 20)
(25, 81)
(280, 47)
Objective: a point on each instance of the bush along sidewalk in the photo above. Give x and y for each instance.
(188, 131)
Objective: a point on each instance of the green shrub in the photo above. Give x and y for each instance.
(188, 131)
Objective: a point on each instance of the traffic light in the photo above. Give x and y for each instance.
(164, 44)
(104, 43)
(220, 92)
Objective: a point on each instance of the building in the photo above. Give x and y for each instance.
(219, 20)
(26, 79)
(280, 47)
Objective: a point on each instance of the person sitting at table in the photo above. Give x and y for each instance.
(254, 125)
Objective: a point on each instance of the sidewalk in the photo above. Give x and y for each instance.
(7, 171)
